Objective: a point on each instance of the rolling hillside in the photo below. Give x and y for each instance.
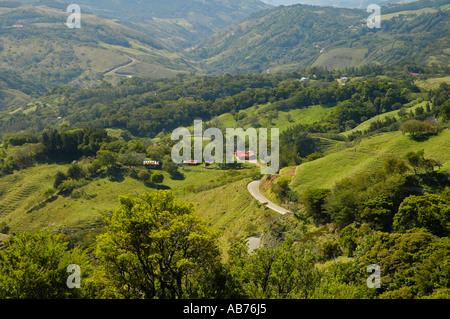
(278, 39)
(178, 23)
(50, 53)
(365, 156)
(286, 38)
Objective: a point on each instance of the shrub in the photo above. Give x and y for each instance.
(49, 192)
(418, 129)
(59, 179)
(144, 175)
(314, 201)
(75, 171)
(157, 178)
(69, 185)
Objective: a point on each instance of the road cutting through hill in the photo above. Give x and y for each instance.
(129, 63)
(253, 189)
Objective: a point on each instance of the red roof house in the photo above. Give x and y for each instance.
(245, 155)
(192, 163)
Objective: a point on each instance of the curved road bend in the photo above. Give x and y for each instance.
(129, 63)
(253, 189)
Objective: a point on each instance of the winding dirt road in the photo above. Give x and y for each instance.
(129, 63)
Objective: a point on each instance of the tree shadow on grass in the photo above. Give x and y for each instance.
(178, 176)
(116, 175)
(156, 186)
(420, 138)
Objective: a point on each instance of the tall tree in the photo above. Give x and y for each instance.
(156, 247)
(431, 212)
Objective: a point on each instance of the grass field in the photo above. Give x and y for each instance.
(432, 84)
(341, 58)
(207, 187)
(232, 211)
(228, 209)
(408, 12)
(25, 189)
(22, 190)
(265, 116)
(393, 114)
(365, 156)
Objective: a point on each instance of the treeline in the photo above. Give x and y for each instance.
(65, 145)
(147, 107)
(91, 152)
(301, 140)
(73, 144)
(376, 198)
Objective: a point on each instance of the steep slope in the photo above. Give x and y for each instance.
(49, 53)
(287, 38)
(15, 90)
(179, 23)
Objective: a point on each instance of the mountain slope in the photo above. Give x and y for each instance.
(366, 156)
(49, 53)
(179, 23)
(336, 3)
(292, 37)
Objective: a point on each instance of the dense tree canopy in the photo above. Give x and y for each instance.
(430, 212)
(34, 265)
(155, 247)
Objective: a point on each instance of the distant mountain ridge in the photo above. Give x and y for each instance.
(291, 37)
(179, 23)
(277, 39)
(43, 52)
(337, 3)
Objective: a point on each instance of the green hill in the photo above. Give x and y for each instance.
(365, 156)
(362, 4)
(177, 23)
(297, 36)
(24, 204)
(50, 53)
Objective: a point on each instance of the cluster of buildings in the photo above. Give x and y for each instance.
(240, 155)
